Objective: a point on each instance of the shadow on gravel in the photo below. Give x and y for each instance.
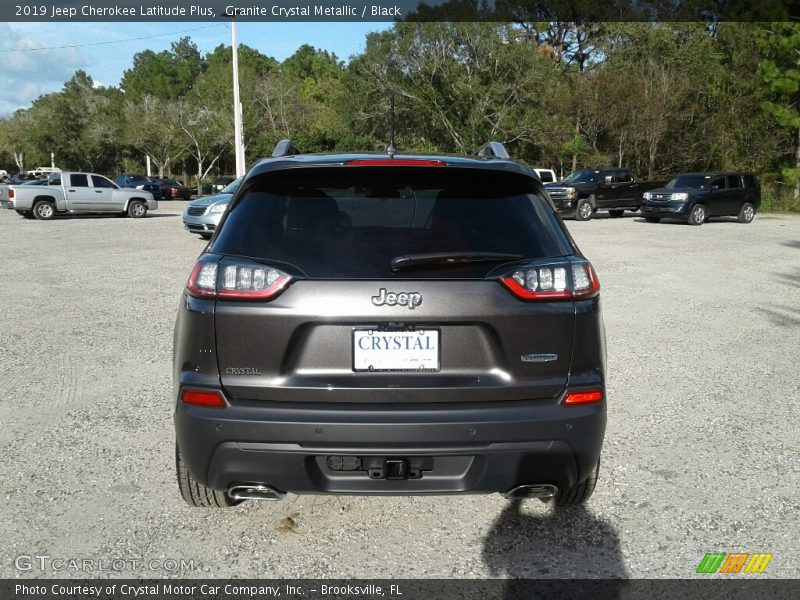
(792, 243)
(569, 543)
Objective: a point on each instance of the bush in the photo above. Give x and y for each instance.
(779, 199)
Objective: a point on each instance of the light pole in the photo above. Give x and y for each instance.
(237, 106)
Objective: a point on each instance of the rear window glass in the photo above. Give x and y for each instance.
(351, 222)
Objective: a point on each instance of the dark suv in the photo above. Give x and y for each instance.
(585, 191)
(389, 324)
(695, 197)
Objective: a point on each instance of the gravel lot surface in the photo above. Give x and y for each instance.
(701, 451)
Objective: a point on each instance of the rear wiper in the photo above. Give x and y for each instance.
(449, 258)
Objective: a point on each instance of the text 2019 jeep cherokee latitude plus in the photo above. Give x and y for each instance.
(374, 324)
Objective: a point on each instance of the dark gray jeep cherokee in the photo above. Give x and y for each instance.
(389, 324)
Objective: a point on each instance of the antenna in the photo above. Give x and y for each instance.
(391, 150)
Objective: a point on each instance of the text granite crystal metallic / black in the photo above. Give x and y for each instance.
(389, 324)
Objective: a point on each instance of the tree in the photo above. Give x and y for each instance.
(155, 129)
(780, 70)
(167, 75)
(207, 135)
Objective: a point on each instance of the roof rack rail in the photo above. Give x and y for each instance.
(285, 148)
(493, 150)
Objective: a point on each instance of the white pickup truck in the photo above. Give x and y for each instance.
(75, 193)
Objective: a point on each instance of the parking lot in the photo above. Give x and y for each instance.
(703, 327)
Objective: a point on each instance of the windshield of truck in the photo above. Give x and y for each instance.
(689, 181)
(581, 176)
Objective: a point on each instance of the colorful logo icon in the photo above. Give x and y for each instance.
(734, 562)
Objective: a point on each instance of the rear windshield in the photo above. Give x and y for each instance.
(350, 222)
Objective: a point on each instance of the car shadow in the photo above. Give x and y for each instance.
(101, 216)
(565, 544)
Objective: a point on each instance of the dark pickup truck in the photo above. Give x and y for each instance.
(586, 191)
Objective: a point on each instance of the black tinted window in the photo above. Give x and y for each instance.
(623, 177)
(718, 184)
(733, 181)
(545, 176)
(101, 182)
(750, 181)
(350, 222)
(78, 180)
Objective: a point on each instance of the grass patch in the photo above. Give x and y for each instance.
(779, 200)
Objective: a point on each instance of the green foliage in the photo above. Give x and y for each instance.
(659, 98)
(166, 75)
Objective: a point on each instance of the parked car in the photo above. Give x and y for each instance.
(202, 216)
(220, 182)
(586, 191)
(374, 324)
(74, 193)
(172, 188)
(696, 197)
(546, 175)
(139, 182)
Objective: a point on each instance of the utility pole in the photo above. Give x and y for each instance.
(237, 106)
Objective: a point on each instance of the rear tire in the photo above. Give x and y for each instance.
(44, 210)
(698, 215)
(137, 209)
(616, 214)
(747, 213)
(583, 210)
(579, 493)
(195, 493)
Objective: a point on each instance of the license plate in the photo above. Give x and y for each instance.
(375, 350)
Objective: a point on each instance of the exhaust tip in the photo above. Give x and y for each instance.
(542, 491)
(255, 491)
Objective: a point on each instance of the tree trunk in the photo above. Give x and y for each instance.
(199, 178)
(797, 164)
(577, 133)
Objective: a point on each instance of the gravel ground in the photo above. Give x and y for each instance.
(701, 450)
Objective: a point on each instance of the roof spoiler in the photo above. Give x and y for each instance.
(285, 148)
(492, 150)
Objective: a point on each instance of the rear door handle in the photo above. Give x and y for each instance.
(72, 191)
(98, 191)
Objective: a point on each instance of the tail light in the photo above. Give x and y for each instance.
(583, 397)
(561, 281)
(395, 162)
(211, 398)
(10, 193)
(236, 281)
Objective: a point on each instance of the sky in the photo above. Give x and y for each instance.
(26, 75)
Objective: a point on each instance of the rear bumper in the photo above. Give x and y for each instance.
(479, 448)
